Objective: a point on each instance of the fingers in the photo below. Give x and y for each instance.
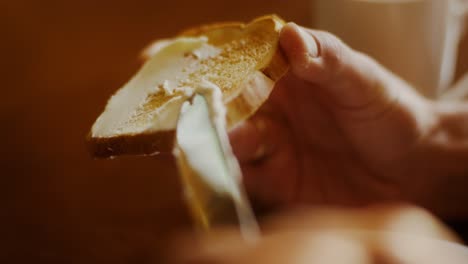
(401, 248)
(206, 248)
(366, 235)
(254, 139)
(264, 147)
(281, 247)
(389, 218)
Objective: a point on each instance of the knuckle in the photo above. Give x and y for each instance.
(334, 51)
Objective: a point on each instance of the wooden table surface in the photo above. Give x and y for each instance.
(62, 60)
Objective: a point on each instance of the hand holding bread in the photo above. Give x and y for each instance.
(341, 129)
(338, 128)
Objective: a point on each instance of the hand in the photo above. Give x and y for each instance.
(384, 234)
(338, 129)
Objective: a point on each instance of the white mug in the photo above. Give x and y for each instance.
(416, 39)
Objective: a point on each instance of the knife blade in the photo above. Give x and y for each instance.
(210, 173)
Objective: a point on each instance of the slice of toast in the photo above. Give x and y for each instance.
(243, 60)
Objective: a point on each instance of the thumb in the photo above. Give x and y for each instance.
(348, 79)
(380, 114)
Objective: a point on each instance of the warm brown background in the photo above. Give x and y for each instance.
(61, 61)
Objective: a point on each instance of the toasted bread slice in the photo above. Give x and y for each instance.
(243, 60)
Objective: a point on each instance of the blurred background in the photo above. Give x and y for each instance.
(61, 62)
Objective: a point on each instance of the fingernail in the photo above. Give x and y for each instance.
(309, 41)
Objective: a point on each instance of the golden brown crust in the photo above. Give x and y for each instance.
(201, 29)
(254, 92)
(143, 144)
(278, 67)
